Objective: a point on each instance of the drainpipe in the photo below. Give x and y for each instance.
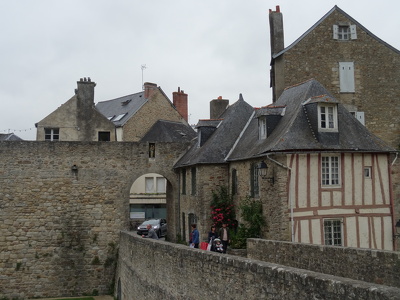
(290, 194)
(392, 205)
(179, 203)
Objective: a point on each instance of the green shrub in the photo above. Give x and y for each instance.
(252, 215)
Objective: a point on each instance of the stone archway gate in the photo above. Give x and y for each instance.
(62, 207)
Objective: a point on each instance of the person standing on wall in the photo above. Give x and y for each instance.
(224, 236)
(195, 240)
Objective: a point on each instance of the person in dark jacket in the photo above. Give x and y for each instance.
(212, 235)
(195, 237)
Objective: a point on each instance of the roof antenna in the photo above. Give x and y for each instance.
(143, 67)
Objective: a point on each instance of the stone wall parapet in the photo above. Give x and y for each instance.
(151, 269)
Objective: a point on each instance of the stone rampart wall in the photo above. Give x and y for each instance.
(59, 228)
(151, 269)
(375, 266)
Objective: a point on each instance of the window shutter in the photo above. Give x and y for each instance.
(346, 77)
(335, 32)
(360, 117)
(353, 32)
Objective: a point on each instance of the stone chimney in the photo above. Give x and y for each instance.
(217, 107)
(276, 30)
(180, 101)
(149, 89)
(85, 93)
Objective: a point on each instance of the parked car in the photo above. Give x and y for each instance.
(159, 226)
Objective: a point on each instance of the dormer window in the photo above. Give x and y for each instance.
(262, 128)
(344, 32)
(327, 117)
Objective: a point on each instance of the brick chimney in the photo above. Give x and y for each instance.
(276, 30)
(217, 107)
(149, 89)
(180, 101)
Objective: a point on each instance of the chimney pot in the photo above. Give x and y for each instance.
(278, 9)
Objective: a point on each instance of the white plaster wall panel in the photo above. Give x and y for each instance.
(348, 183)
(364, 232)
(326, 198)
(351, 229)
(368, 194)
(358, 173)
(377, 233)
(387, 233)
(302, 188)
(304, 235)
(316, 231)
(337, 198)
(315, 181)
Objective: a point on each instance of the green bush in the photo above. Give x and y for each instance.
(252, 215)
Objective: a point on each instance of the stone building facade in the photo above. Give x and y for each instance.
(77, 119)
(134, 115)
(335, 42)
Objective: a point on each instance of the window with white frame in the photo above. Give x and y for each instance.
(333, 232)
(327, 117)
(346, 77)
(262, 128)
(367, 172)
(51, 134)
(344, 32)
(330, 170)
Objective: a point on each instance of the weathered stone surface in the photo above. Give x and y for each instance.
(150, 269)
(59, 230)
(375, 266)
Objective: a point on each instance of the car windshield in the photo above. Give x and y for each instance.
(151, 222)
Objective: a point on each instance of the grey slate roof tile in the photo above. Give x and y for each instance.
(9, 137)
(125, 106)
(220, 143)
(294, 133)
(168, 131)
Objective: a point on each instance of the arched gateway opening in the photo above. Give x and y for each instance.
(147, 199)
(152, 196)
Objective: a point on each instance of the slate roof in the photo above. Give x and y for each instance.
(169, 132)
(124, 107)
(9, 137)
(220, 143)
(335, 8)
(295, 134)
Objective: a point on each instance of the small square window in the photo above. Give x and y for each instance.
(344, 33)
(327, 117)
(51, 134)
(368, 172)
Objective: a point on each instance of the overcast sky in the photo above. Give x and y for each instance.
(208, 48)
